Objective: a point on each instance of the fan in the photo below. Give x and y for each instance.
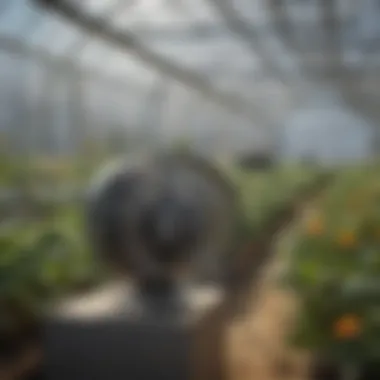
(160, 217)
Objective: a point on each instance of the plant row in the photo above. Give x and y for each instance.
(334, 268)
(47, 255)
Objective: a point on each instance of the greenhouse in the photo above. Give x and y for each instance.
(247, 147)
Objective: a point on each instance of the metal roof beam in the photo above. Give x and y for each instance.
(346, 83)
(129, 42)
(251, 37)
(79, 46)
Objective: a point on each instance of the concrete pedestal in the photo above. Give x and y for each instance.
(111, 335)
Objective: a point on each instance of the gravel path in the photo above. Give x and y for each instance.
(257, 348)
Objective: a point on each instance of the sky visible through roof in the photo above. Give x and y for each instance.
(150, 19)
(146, 17)
(187, 31)
(220, 57)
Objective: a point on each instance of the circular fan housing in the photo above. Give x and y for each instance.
(160, 216)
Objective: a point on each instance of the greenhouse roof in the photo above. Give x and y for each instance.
(231, 52)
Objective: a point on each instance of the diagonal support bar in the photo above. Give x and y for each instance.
(250, 36)
(127, 41)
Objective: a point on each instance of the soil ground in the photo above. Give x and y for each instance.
(257, 346)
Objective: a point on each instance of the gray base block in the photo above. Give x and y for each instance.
(110, 335)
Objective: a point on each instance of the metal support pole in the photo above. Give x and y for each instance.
(78, 120)
(153, 110)
(15, 109)
(46, 132)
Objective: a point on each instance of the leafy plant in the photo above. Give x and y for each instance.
(40, 261)
(46, 255)
(334, 268)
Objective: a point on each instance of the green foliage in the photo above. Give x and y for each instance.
(264, 194)
(334, 268)
(41, 260)
(46, 255)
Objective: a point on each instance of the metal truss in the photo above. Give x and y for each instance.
(128, 42)
(345, 80)
(333, 72)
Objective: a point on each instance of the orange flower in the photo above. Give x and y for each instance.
(347, 327)
(314, 226)
(347, 239)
